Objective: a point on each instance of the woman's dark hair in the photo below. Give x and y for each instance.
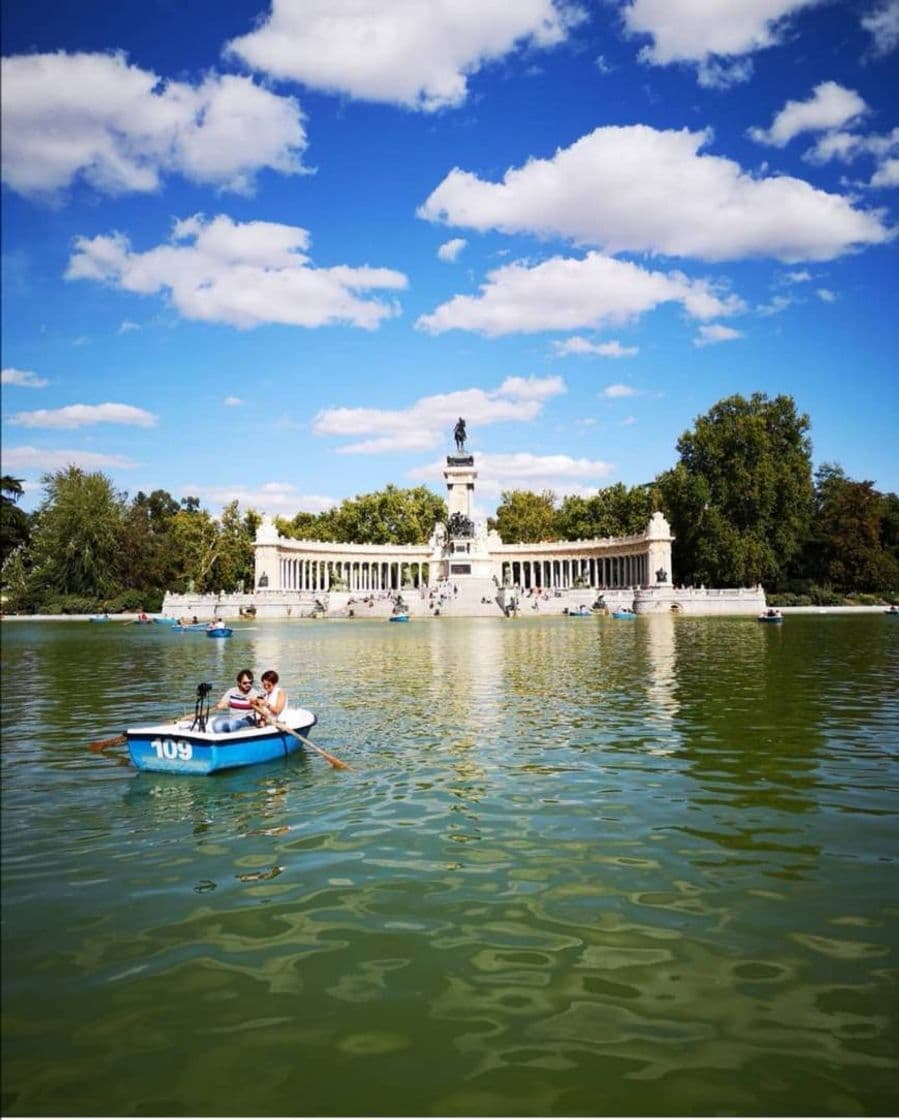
(270, 675)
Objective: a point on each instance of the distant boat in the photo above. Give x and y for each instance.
(398, 618)
(219, 631)
(194, 626)
(580, 612)
(181, 749)
(105, 618)
(772, 614)
(624, 612)
(893, 610)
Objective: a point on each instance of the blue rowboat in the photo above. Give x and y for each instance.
(176, 749)
(398, 618)
(772, 614)
(623, 614)
(197, 627)
(219, 632)
(99, 618)
(580, 612)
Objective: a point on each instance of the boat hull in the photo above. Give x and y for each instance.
(398, 618)
(219, 632)
(173, 748)
(623, 614)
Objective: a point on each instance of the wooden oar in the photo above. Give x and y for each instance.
(116, 740)
(333, 759)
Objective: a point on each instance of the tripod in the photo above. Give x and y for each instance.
(201, 707)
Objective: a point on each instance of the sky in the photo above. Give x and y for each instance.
(272, 253)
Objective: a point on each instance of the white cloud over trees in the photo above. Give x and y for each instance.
(241, 273)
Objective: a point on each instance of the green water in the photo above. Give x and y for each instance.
(577, 867)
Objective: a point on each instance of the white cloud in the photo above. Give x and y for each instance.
(580, 345)
(826, 295)
(713, 333)
(799, 277)
(526, 471)
(233, 402)
(607, 190)
(776, 306)
(887, 175)
(415, 53)
(122, 128)
(565, 294)
(830, 107)
(41, 459)
(127, 326)
(83, 415)
(430, 420)
(24, 378)
(449, 250)
(695, 30)
(617, 392)
(883, 25)
(243, 274)
(272, 497)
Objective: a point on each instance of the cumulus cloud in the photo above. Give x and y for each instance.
(579, 345)
(84, 415)
(428, 422)
(882, 23)
(887, 175)
(617, 392)
(24, 378)
(830, 106)
(449, 250)
(44, 460)
(241, 273)
(608, 190)
(697, 30)
(415, 53)
(233, 402)
(826, 295)
(713, 333)
(564, 293)
(272, 497)
(122, 128)
(526, 471)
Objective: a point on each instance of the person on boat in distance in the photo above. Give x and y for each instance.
(239, 702)
(273, 700)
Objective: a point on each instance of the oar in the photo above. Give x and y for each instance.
(116, 740)
(335, 762)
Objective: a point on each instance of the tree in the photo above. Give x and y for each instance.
(740, 498)
(850, 546)
(75, 548)
(389, 516)
(234, 565)
(194, 541)
(14, 522)
(614, 511)
(525, 517)
(147, 554)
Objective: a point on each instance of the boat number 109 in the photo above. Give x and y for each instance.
(172, 748)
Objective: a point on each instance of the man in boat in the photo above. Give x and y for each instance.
(239, 702)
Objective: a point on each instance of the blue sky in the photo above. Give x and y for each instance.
(271, 253)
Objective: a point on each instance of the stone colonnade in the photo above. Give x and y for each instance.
(626, 570)
(298, 573)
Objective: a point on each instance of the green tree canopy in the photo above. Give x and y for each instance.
(75, 548)
(15, 523)
(389, 516)
(525, 517)
(740, 498)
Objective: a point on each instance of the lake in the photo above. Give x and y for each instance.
(578, 867)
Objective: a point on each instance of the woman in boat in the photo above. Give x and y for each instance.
(239, 702)
(273, 700)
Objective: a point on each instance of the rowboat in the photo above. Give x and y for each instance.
(195, 626)
(219, 632)
(580, 612)
(104, 618)
(772, 614)
(398, 618)
(893, 610)
(182, 748)
(623, 613)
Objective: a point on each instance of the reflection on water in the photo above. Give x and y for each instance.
(576, 868)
